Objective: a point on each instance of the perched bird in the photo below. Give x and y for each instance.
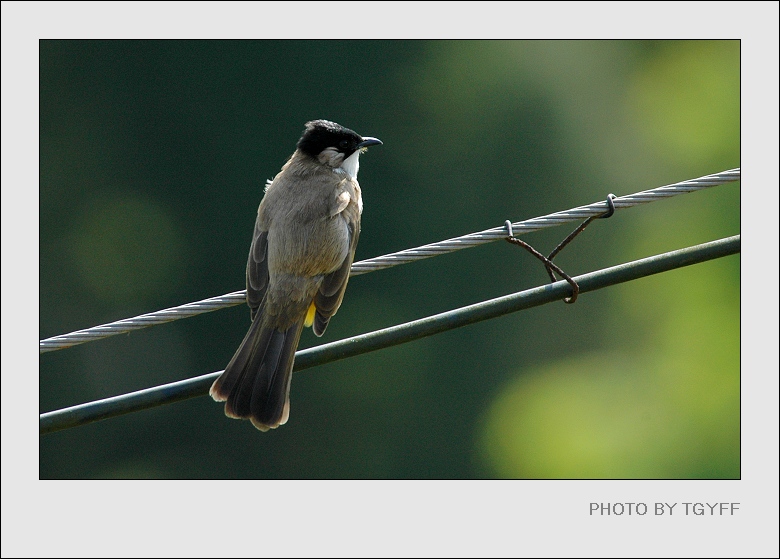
(307, 228)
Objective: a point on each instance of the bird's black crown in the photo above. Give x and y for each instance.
(321, 134)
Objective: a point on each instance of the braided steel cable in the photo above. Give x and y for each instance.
(402, 257)
(538, 223)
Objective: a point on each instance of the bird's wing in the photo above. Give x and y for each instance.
(331, 292)
(257, 269)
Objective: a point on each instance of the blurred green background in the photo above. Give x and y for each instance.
(153, 157)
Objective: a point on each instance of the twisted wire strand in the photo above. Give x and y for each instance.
(402, 257)
(142, 321)
(538, 223)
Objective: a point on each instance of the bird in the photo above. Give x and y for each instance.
(303, 245)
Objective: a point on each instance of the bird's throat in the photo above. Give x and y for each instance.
(351, 165)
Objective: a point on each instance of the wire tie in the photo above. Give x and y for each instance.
(549, 265)
(547, 260)
(611, 203)
(509, 231)
(610, 211)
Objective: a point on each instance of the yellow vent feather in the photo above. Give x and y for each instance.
(310, 316)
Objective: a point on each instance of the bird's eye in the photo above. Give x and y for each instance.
(344, 144)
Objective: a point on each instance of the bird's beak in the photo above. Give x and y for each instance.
(368, 141)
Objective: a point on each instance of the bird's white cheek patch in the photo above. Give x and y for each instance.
(351, 164)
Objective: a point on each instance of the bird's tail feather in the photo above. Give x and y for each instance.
(256, 382)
